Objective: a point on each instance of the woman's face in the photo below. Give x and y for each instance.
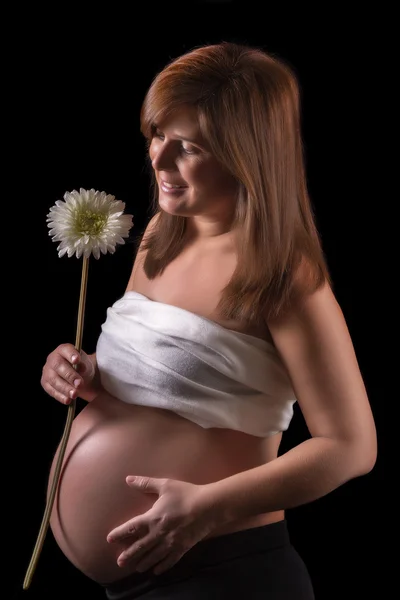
(191, 182)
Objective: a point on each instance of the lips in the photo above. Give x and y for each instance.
(172, 186)
(172, 189)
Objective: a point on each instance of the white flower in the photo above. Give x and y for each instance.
(88, 222)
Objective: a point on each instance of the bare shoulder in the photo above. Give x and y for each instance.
(315, 345)
(314, 313)
(139, 254)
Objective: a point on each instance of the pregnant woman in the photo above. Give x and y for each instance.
(172, 484)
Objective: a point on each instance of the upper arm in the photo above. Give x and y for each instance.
(315, 345)
(139, 254)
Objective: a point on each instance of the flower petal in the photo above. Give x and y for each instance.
(88, 222)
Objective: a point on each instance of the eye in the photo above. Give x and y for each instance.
(187, 150)
(158, 134)
(181, 146)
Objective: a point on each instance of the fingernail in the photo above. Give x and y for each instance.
(74, 357)
(76, 382)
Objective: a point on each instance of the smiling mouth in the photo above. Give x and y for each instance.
(172, 186)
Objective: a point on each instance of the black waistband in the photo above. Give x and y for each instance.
(206, 553)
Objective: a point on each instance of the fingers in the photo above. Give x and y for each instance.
(137, 552)
(59, 390)
(158, 560)
(60, 378)
(131, 529)
(150, 553)
(148, 550)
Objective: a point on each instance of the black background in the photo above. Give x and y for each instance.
(78, 80)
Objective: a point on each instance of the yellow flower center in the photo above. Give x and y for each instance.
(90, 223)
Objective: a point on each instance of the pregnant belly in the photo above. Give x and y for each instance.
(110, 440)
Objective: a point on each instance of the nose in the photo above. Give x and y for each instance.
(163, 158)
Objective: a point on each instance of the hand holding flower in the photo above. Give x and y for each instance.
(68, 373)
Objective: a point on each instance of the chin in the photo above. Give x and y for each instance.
(172, 207)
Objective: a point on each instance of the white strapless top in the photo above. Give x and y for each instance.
(154, 354)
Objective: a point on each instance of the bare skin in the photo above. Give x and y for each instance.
(111, 439)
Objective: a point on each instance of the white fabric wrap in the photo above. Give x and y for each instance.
(154, 354)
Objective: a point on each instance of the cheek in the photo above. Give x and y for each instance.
(218, 179)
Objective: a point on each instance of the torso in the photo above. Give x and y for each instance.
(194, 281)
(111, 439)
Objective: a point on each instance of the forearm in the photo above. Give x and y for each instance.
(305, 473)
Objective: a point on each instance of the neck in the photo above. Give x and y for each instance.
(200, 228)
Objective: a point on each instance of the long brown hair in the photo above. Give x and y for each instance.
(248, 107)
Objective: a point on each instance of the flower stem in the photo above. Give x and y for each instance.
(63, 444)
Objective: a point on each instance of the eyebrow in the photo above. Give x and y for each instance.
(184, 138)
